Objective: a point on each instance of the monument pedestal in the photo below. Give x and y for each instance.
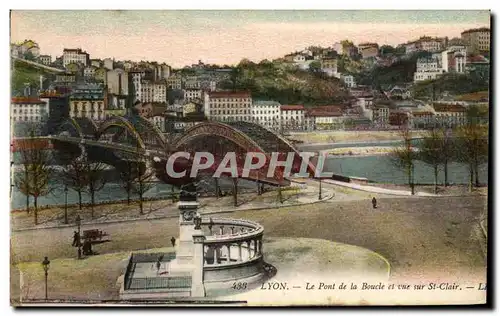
(183, 262)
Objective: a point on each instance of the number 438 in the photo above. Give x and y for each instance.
(239, 285)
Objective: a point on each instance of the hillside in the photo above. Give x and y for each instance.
(22, 73)
(285, 84)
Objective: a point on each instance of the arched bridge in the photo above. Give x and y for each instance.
(129, 137)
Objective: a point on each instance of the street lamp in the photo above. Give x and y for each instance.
(319, 194)
(78, 221)
(46, 264)
(65, 204)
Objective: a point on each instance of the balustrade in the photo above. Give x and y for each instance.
(240, 243)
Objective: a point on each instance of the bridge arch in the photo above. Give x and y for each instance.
(220, 130)
(122, 122)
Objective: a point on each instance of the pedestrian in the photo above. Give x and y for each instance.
(374, 202)
(172, 240)
(75, 239)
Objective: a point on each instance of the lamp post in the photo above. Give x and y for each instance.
(46, 264)
(65, 204)
(319, 194)
(78, 221)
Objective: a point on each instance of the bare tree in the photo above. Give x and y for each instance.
(142, 181)
(22, 183)
(430, 152)
(472, 149)
(37, 172)
(127, 178)
(404, 157)
(76, 177)
(95, 181)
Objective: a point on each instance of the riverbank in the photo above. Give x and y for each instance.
(360, 151)
(348, 136)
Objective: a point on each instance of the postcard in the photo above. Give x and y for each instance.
(249, 158)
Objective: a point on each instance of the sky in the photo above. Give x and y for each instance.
(182, 38)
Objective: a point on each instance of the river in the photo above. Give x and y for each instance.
(375, 168)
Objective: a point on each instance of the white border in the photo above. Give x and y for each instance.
(186, 4)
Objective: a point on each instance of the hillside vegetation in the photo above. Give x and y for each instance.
(22, 73)
(283, 83)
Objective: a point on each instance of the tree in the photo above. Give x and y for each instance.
(142, 181)
(472, 149)
(315, 67)
(95, 181)
(127, 178)
(404, 157)
(37, 172)
(76, 176)
(29, 56)
(430, 152)
(447, 154)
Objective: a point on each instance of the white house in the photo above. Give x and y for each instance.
(26, 109)
(292, 117)
(267, 114)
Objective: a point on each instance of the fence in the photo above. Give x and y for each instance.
(160, 283)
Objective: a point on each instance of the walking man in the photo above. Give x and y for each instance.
(374, 202)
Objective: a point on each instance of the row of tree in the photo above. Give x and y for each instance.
(467, 144)
(37, 177)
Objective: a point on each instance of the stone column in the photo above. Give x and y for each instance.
(215, 254)
(239, 252)
(222, 230)
(229, 253)
(197, 287)
(260, 245)
(249, 250)
(232, 229)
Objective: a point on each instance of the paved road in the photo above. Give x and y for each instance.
(417, 235)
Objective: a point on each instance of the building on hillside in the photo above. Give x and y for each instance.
(96, 63)
(399, 118)
(65, 79)
(45, 59)
(193, 94)
(75, 56)
(380, 115)
(478, 64)
(108, 63)
(348, 80)
(228, 106)
(368, 50)
(292, 117)
(150, 109)
(88, 100)
(422, 120)
(477, 40)
(175, 82)
(160, 121)
(267, 114)
(329, 66)
(89, 71)
(428, 69)
(20, 50)
(327, 117)
(189, 108)
(449, 114)
(397, 92)
(28, 109)
(425, 43)
(299, 58)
